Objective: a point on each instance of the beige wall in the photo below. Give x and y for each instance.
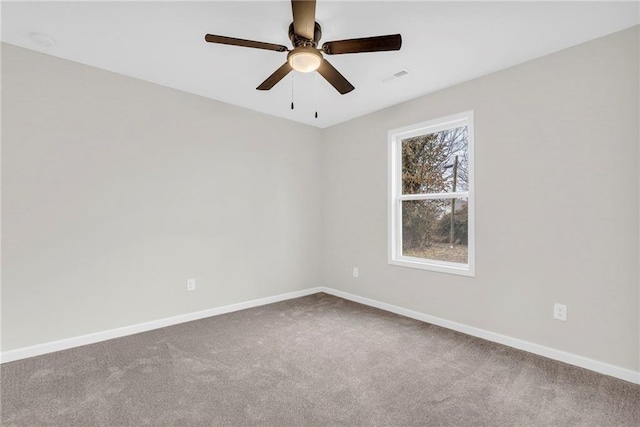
(115, 191)
(556, 203)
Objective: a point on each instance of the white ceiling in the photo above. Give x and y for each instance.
(444, 43)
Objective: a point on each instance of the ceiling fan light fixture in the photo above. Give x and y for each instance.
(304, 59)
(305, 33)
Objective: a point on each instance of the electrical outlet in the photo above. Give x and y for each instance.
(560, 311)
(191, 284)
(356, 273)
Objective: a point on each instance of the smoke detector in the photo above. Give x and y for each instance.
(42, 39)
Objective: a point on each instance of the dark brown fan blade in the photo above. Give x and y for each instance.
(244, 43)
(304, 18)
(334, 77)
(367, 44)
(274, 78)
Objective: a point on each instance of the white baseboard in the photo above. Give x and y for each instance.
(572, 359)
(53, 346)
(562, 356)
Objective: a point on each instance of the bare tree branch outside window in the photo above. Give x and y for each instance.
(431, 163)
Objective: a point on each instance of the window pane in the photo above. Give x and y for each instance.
(435, 162)
(430, 231)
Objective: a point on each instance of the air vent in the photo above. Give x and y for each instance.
(400, 73)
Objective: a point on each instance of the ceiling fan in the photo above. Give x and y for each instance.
(305, 33)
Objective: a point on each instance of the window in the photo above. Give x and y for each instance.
(431, 200)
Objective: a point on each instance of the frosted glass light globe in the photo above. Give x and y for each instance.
(304, 59)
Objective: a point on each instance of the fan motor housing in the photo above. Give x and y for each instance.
(297, 41)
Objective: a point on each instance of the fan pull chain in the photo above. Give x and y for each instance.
(292, 90)
(315, 92)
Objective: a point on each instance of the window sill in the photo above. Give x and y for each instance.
(433, 265)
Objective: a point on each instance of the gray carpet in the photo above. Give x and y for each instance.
(312, 361)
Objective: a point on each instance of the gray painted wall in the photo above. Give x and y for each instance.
(556, 203)
(115, 191)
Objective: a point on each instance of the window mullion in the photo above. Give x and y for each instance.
(428, 196)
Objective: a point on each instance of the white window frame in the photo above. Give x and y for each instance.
(396, 197)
